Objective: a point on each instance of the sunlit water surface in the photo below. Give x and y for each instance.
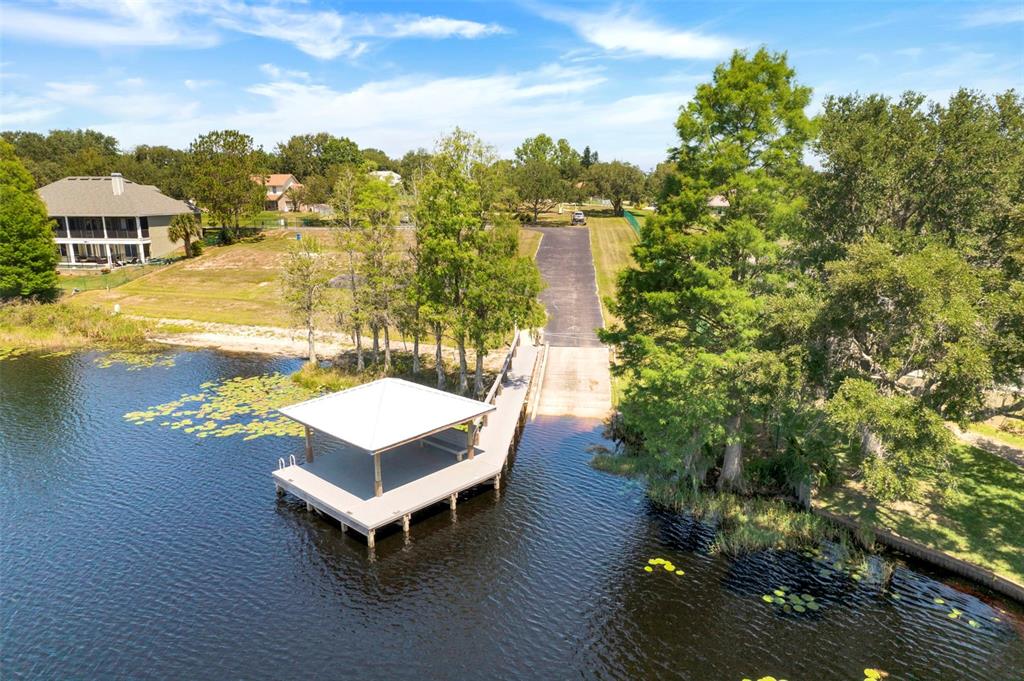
(135, 551)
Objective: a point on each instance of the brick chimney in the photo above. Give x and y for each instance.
(117, 184)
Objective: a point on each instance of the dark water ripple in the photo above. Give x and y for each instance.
(135, 551)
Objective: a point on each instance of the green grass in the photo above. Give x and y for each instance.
(995, 433)
(63, 326)
(529, 242)
(611, 243)
(93, 281)
(235, 284)
(982, 521)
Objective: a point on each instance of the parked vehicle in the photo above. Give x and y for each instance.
(578, 218)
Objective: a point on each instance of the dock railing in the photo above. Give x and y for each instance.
(495, 390)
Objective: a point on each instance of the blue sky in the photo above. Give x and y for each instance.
(396, 75)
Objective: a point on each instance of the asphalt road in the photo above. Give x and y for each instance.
(574, 312)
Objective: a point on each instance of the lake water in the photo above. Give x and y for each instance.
(136, 551)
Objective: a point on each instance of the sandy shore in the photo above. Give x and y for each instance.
(282, 342)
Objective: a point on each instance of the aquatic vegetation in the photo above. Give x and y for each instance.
(871, 674)
(237, 406)
(134, 361)
(57, 353)
(765, 678)
(66, 325)
(791, 602)
(665, 564)
(10, 352)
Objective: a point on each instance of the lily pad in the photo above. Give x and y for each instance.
(938, 601)
(779, 592)
(648, 568)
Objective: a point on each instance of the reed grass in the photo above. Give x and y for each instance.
(63, 326)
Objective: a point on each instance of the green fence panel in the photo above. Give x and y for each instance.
(631, 219)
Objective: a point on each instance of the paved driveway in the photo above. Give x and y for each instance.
(574, 312)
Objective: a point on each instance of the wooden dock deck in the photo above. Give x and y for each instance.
(340, 483)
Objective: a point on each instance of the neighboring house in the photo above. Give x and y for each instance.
(109, 220)
(278, 197)
(389, 176)
(718, 204)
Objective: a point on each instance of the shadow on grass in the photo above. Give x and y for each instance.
(982, 521)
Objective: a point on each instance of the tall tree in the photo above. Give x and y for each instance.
(304, 279)
(222, 168)
(618, 182)
(380, 265)
(347, 234)
(538, 175)
(449, 220)
(28, 254)
(692, 309)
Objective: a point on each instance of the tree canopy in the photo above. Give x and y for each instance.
(28, 254)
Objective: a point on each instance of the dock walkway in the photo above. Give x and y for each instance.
(425, 473)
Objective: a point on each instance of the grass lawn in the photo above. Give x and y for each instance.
(991, 431)
(92, 280)
(235, 284)
(611, 242)
(529, 242)
(982, 522)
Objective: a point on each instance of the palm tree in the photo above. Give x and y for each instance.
(185, 227)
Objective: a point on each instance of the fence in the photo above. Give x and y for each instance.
(113, 279)
(631, 219)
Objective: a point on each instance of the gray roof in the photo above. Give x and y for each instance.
(94, 196)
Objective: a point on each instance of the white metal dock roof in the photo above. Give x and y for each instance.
(385, 413)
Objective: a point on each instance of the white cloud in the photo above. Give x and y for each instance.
(198, 84)
(1012, 13)
(413, 111)
(324, 34)
(69, 92)
(130, 23)
(622, 32)
(278, 73)
(442, 27)
(18, 110)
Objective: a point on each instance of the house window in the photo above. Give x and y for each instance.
(121, 228)
(144, 221)
(86, 227)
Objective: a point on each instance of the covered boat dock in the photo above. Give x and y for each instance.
(377, 453)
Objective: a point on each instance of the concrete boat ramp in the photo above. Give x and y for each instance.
(432, 467)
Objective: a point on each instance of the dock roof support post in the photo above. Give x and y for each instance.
(309, 444)
(470, 439)
(371, 537)
(378, 486)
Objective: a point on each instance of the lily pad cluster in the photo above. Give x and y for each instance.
(665, 564)
(827, 567)
(958, 614)
(871, 674)
(765, 678)
(237, 406)
(791, 602)
(134, 361)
